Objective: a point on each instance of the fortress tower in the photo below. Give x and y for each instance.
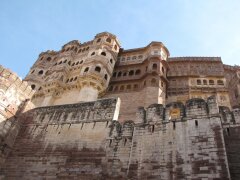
(98, 66)
(103, 112)
(140, 76)
(78, 72)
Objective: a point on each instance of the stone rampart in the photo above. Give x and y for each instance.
(81, 141)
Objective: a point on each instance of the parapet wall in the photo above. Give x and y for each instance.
(193, 109)
(66, 141)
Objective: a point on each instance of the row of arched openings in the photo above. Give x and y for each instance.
(209, 82)
(96, 69)
(74, 48)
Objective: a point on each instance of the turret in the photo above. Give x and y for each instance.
(36, 75)
(98, 66)
(157, 69)
(78, 72)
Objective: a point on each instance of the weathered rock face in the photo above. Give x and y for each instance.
(82, 141)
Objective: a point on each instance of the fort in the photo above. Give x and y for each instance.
(94, 110)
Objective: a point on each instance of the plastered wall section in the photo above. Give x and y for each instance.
(130, 101)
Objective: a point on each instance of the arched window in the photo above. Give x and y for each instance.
(110, 88)
(60, 62)
(122, 88)
(162, 84)
(40, 72)
(204, 82)
(41, 58)
(86, 69)
(153, 82)
(75, 78)
(67, 80)
(80, 50)
(119, 74)
(93, 53)
(108, 40)
(69, 63)
(154, 66)
(199, 82)
(220, 82)
(103, 54)
(33, 71)
(125, 74)
(236, 93)
(77, 63)
(87, 48)
(144, 83)
(98, 69)
(111, 61)
(73, 64)
(33, 86)
(211, 82)
(115, 47)
(135, 86)
(75, 49)
(131, 73)
(134, 57)
(138, 72)
(71, 79)
(99, 39)
(116, 88)
(49, 59)
(67, 49)
(129, 86)
(81, 61)
(114, 74)
(106, 76)
(55, 64)
(65, 61)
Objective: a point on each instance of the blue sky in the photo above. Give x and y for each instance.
(186, 27)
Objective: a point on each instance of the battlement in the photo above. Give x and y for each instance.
(85, 112)
(194, 58)
(195, 108)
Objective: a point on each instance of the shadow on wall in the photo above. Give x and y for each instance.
(9, 128)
